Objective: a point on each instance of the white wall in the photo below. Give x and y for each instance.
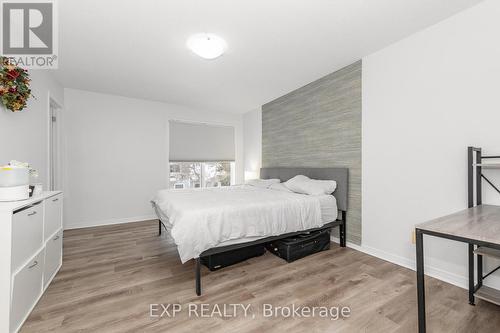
(425, 99)
(24, 135)
(117, 155)
(252, 140)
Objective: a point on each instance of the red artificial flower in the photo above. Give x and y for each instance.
(12, 89)
(13, 74)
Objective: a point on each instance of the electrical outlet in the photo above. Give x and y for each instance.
(413, 237)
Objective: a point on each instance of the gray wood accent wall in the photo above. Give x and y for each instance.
(319, 125)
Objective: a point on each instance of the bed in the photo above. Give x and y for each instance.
(203, 222)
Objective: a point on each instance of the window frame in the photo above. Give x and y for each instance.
(232, 172)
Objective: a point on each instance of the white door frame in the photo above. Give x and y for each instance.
(54, 174)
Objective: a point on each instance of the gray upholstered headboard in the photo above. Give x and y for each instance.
(340, 175)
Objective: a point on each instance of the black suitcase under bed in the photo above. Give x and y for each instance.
(289, 249)
(300, 246)
(224, 259)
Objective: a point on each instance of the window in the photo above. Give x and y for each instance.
(201, 174)
(203, 155)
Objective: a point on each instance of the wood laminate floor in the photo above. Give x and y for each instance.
(110, 276)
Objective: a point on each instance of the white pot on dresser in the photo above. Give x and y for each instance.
(30, 254)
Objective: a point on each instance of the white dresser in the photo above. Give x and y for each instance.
(30, 254)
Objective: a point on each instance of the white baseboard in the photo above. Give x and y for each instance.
(89, 224)
(437, 273)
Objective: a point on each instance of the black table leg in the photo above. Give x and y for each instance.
(420, 281)
(471, 274)
(479, 271)
(198, 276)
(159, 227)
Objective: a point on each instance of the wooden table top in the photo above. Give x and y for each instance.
(480, 223)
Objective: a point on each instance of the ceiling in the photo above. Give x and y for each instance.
(138, 48)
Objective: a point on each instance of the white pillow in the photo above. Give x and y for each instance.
(306, 185)
(280, 187)
(262, 183)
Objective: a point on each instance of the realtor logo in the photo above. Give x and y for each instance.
(29, 37)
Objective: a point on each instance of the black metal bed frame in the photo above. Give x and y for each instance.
(474, 188)
(341, 224)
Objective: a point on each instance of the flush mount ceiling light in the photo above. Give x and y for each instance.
(207, 46)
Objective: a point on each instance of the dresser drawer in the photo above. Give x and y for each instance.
(26, 288)
(53, 215)
(27, 234)
(53, 253)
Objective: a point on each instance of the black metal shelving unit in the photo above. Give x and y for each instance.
(476, 163)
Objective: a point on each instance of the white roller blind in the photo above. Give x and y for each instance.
(201, 142)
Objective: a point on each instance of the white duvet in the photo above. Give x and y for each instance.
(200, 219)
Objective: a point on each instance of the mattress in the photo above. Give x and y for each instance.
(200, 219)
(329, 210)
(329, 213)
